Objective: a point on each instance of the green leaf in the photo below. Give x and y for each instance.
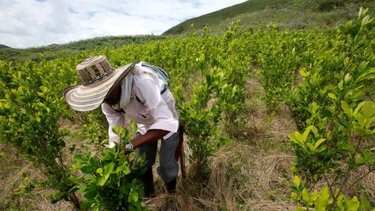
(341, 202)
(359, 160)
(116, 130)
(118, 169)
(358, 108)
(297, 181)
(99, 171)
(79, 159)
(365, 157)
(126, 170)
(102, 180)
(323, 200)
(347, 109)
(91, 194)
(314, 130)
(370, 73)
(319, 142)
(310, 147)
(304, 73)
(321, 149)
(353, 204)
(365, 204)
(313, 108)
(123, 189)
(347, 77)
(331, 95)
(292, 138)
(314, 196)
(361, 120)
(305, 196)
(368, 109)
(341, 85)
(93, 161)
(108, 168)
(295, 196)
(299, 137)
(306, 133)
(87, 169)
(133, 197)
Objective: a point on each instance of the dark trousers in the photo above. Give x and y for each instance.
(168, 167)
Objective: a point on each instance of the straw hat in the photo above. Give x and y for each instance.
(99, 78)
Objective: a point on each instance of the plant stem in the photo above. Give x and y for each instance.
(359, 179)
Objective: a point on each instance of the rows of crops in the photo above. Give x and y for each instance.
(327, 79)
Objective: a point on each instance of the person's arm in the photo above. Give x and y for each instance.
(114, 119)
(148, 137)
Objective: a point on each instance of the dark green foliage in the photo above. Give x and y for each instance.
(334, 110)
(109, 180)
(30, 112)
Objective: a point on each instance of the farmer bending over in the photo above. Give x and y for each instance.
(139, 92)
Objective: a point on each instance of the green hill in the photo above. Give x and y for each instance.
(284, 13)
(58, 50)
(4, 46)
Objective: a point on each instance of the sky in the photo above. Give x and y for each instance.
(35, 23)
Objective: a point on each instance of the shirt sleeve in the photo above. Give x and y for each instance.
(114, 118)
(148, 90)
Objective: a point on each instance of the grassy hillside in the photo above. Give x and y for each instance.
(4, 46)
(284, 13)
(55, 51)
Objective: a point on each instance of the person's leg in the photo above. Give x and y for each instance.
(147, 178)
(168, 169)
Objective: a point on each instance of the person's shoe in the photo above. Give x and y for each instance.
(171, 186)
(147, 180)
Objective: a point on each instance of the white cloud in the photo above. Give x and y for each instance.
(32, 23)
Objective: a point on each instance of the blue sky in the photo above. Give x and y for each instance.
(33, 23)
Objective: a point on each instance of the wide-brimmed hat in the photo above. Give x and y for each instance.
(99, 78)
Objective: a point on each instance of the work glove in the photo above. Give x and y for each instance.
(129, 148)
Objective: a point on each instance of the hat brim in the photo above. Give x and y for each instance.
(89, 97)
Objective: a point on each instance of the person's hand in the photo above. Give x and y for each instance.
(129, 148)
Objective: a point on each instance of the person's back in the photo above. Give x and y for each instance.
(138, 92)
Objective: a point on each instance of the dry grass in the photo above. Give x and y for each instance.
(171, 202)
(16, 171)
(369, 186)
(250, 174)
(243, 175)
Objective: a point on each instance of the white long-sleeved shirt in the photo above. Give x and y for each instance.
(155, 111)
